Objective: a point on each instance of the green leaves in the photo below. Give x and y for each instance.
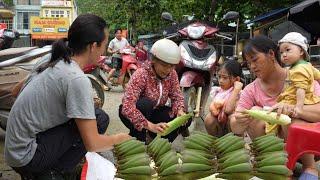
(144, 16)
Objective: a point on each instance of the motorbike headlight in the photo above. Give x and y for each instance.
(196, 32)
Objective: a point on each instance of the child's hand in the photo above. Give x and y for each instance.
(297, 110)
(237, 85)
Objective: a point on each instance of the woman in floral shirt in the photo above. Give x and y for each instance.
(143, 106)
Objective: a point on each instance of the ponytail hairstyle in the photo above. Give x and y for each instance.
(85, 30)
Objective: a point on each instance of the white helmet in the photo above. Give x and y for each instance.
(166, 50)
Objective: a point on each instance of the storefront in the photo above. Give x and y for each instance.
(46, 30)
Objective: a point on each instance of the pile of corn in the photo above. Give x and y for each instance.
(270, 159)
(202, 156)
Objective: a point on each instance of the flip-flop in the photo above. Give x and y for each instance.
(308, 176)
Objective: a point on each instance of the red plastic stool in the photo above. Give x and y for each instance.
(302, 138)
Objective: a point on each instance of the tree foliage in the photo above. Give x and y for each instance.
(144, 16)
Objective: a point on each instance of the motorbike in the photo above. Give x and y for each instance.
(13, 70)
(129, 66)
(7, 38)
(198, 62)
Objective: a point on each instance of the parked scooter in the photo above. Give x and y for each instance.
(7, 38)
(12, 71)
(198, 62)
(129, 66)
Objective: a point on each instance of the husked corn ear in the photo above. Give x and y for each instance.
(269, 117)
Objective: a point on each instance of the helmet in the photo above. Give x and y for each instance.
(166, 50)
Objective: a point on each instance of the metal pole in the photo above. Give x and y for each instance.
(236, 40)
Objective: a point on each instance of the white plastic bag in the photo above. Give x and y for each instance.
(98, 168)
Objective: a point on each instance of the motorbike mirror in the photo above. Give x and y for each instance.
(231, 15)
(167, 16)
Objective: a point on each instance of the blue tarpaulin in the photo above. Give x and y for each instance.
(270, 15)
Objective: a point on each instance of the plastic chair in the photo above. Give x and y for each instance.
(302, 138)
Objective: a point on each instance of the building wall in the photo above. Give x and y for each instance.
(60, 8)
(24, 9)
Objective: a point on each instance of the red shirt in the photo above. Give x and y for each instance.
(144, 83)
(141, 54)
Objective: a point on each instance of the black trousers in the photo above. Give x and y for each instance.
(116, 63)
(60, 148)
(160, 114)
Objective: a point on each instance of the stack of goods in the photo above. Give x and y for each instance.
(233, 159)
(197, 156)
(270, 158)
(166, 160)
(132, 160)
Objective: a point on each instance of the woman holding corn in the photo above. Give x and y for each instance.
(144, 111)
(263, 59)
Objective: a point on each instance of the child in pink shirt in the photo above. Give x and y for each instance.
(224, 98)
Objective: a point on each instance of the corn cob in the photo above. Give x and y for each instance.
(143, 170)
(193, 145)
(140, 162)
(176, 123)
(198, 152)
(272, 161)
(136, 150)
(134, 176)
(238, 145)
(269, 117)
(222, 138)
(187, 158)
(269, 143)
(238, 168)
(169, 161)
(274, 154)
(197, 175)
(191, 167)
(134, 157)
(244, 158)
(235, 176)
(232, 155)
(275, 147)
(275, 169)
(174, 169)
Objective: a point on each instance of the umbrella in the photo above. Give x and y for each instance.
(288, 26)
(306, 15)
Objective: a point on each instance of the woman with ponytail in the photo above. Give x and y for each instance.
(53, 124)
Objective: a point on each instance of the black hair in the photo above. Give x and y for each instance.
(261, 44)
(233, 68)
(86, 29)
(117, 29)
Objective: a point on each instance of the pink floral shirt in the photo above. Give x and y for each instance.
(144, 83)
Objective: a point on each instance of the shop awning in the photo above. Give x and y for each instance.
(6, 13)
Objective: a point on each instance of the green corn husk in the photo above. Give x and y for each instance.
(176, 123)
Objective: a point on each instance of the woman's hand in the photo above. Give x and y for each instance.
(286, 109)
(243, 118)
(180, 112)
(157, 128)
(121, 137)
